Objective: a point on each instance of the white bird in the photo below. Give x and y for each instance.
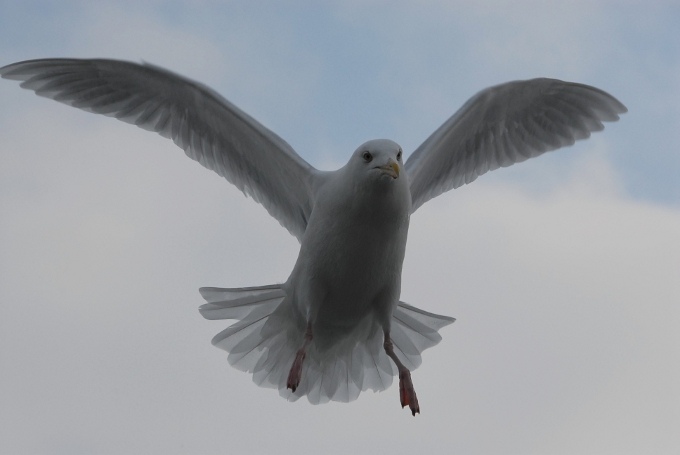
(330, 330)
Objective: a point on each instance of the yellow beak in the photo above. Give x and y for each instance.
(391, 168)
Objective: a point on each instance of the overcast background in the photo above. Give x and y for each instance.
(563, 272)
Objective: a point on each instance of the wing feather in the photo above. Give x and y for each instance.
(206, 126)
(503, 125)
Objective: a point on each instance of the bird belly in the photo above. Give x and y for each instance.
(345, 278)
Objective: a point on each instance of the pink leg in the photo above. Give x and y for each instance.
(407, 393)
(295, 374)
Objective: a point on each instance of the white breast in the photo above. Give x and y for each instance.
(351, 256)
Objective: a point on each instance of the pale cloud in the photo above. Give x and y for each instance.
(576, 294)
(557, 296)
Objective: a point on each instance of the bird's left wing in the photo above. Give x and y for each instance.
(503, 125)
(206, 126)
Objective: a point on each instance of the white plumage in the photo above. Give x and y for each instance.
(336, 327)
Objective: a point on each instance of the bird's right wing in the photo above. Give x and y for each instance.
(503, 125)
(206, 126)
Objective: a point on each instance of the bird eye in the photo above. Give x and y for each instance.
(399, 156)
(367, 157)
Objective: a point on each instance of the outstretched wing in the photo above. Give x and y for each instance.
(503, 125)
(206, 126)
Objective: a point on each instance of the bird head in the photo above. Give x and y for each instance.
(380, 158)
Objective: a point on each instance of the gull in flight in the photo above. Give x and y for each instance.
(336, 327)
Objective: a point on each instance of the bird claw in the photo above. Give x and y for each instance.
(295, 374)
(407, 393)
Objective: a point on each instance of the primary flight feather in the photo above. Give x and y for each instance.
(336, 327)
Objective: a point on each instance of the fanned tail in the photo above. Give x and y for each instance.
(269, 331)
(413, 331)
(251, 307)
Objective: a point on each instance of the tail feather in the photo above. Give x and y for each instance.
(238, 303)
(413, 331)
(268, 333)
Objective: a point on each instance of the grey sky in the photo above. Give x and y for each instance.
(562, 271)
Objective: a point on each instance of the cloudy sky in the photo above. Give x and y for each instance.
(563, 272)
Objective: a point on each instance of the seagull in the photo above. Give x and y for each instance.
(336, 326)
